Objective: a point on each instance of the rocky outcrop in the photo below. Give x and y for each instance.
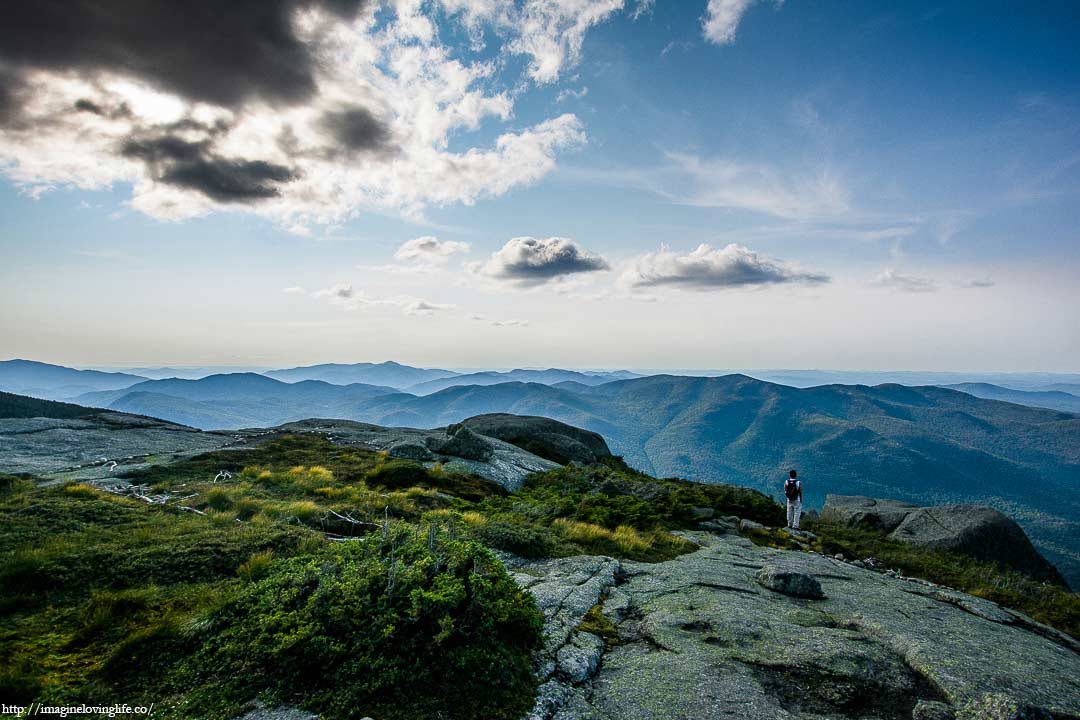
(99, 446)
(698, 638)
(105, 446)
(975, 530)
(979, 532)
(566, 590)
(856, 510)
(541, 436)
(456, 448)
(461, 442)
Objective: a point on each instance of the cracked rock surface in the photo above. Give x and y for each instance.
(699, 638)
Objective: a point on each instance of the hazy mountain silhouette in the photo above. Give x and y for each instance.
(1053, 399)
(235, 400)
(550, 376)
(56, 382)
(390, 373)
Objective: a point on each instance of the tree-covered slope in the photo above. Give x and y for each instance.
(20, 406)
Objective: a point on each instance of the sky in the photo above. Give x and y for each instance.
(573, 183)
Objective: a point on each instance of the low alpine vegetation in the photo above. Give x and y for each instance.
(298, 571)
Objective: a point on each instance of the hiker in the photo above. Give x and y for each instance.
(793, 492)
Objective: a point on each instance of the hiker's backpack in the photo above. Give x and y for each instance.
(791, 489)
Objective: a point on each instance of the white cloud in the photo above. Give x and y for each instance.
(429, 250)
(374, 135)
(891, 278)
(294, 290)
(760, 188)
(642, 9)
(424, 308)
(708, 268)
(512, 322)
(551, 33)
(722, 19)
(571, 94)
(345, 296)
(529, 261)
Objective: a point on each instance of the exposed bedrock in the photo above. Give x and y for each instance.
(699, 637)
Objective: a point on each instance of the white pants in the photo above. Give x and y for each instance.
(794, 510)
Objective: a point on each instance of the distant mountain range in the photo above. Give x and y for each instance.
(235, 400)
(1034, 381)
(927, 445)
(1053, 399)
(56, 382)
(391, 374)
(551, 376)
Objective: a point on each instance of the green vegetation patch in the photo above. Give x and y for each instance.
(609, 496)
(348, 464)
(232, 590)
(405, 624)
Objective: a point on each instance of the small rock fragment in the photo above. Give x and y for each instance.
(578, 659)
(790, 582)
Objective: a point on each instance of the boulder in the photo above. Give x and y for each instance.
(974, 530)
(790, 582)
(461, 442)
(547, 438)
(856, 510)
(410, 451)
(979, 532)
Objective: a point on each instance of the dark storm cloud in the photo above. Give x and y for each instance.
(10, 83)
(534, 261)
(114, 111)
(355, 128)
(224, 52)
(194, 166)
(89, 106)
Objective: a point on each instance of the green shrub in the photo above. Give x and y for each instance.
(397, 474)
(406, 625)
(612, 497)
(519, 538)
(12, 484)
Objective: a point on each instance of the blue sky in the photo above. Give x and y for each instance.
(584, 183)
